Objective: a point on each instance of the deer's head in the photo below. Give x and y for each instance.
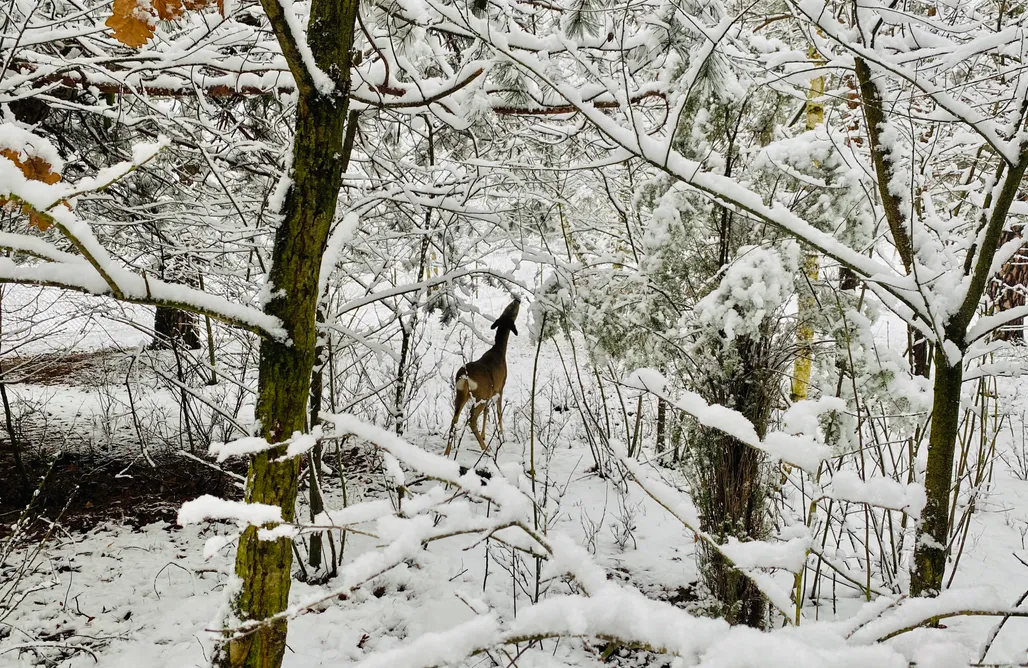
(507, 318)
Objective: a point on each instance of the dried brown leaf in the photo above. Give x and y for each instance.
(168, 10)
(35, 169)
(130, 23)
(39, 222)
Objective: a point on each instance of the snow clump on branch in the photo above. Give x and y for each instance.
(759, 282)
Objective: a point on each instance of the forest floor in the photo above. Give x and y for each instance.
(119, 583)
(90, 459)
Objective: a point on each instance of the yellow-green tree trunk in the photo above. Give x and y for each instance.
(264, 567)
(807, 305)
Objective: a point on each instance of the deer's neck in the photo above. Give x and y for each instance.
(501, 341)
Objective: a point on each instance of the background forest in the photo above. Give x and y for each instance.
(762, 263)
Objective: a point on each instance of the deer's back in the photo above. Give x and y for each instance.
(487, 375)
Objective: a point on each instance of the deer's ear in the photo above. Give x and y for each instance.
(514, 328)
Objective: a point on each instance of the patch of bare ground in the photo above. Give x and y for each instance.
(86, 492)
(62, 368)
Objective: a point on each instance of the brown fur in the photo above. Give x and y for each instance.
(484, 379)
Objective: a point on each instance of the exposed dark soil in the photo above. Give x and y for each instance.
(87, 486)
(62, 368)
(85, 492)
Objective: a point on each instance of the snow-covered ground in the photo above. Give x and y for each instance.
(117, 596)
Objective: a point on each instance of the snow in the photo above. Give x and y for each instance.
(439, 558)
(437, 619)
(240, 446)
(341, 235)
(209, 507)
(803, 416)
(322, 82)
(142, 153)
(914, 611)
(755, 286)
(94, 270)
(878, 491)
(358, 514)
(674, 501)
(439, 648)
(430, 464)
(790, 555)
(29, 145)
(818, 13)
(802, 450)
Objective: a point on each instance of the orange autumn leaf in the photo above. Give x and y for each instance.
(39, 222)
(133, 24)
(38, 169)
(34, 169)
(200, 5)
(168, 10)
(130, 23)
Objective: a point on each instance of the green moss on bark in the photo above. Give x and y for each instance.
(264, 567)
(930, 554)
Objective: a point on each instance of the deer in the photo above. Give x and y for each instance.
(484, 379)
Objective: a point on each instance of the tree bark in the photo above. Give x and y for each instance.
(807, 306)
(1007, 291)
(933, 536)
(264, 567)
(661, 424)
(317, 503)
(874, 117)
(732, 490)
(170, 325)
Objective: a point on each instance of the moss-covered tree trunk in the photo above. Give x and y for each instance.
(263, 567)
(930, 557)
(930, 549)
(932, 535)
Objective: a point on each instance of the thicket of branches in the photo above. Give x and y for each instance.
(718, 199)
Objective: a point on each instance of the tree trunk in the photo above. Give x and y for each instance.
(172, 325)
(807, 308)
(264, 567)
(213, 379)
(736, 508)
(732, 489)
(930, 555)
(807, 305)
(317, 504)
(933, 532)
(920, 352)
(1007, 291)
(661, 424)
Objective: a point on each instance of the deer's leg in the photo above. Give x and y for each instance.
(499, 412)
(485, 418)
(459, 400)
(477, 410)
